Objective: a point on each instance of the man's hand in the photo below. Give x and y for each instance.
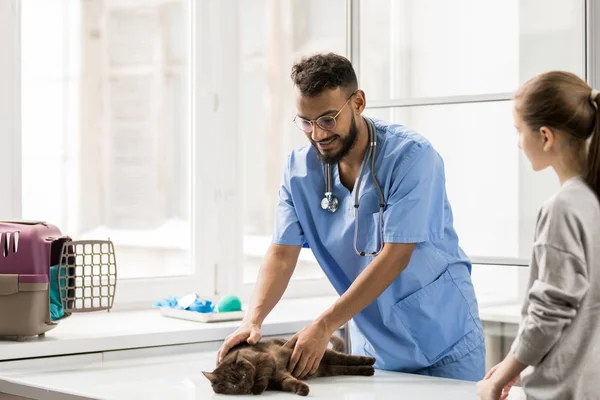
(309, 346)
(247, 332)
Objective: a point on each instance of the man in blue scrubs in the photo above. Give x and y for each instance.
(412, 306)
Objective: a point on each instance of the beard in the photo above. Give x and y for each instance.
(347, 143)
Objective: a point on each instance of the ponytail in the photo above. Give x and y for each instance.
(593, 162)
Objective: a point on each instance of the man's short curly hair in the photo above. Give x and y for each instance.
(312, 75)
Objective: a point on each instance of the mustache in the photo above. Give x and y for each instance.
(328, 139)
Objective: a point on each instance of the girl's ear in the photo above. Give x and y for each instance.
(548, 138)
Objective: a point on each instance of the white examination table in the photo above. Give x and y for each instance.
(131, 375)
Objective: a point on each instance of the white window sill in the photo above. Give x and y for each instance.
(106, 331)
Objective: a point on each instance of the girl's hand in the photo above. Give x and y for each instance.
(489, 387)
(487, 390)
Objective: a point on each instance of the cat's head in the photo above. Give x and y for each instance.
(235, 375)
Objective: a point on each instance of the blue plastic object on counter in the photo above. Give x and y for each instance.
(170, 302)
(188, 302)
(203, 306)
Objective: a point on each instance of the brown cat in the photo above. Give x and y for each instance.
(253, 369)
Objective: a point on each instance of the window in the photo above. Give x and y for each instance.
(10, 121)
(450, 68)
(432, 49)
(273, 36)
(105, 94)
(164, 124)
(445, 70)
(455, 130)
(106, 127)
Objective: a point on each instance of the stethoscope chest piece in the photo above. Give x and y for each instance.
(329, 203)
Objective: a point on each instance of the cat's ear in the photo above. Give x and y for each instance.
(241, 360)
(210, 376)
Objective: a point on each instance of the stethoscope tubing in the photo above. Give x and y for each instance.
(331, 203)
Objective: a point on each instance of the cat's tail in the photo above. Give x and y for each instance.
(337, 343)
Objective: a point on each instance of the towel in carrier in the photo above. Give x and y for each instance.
(84, 277)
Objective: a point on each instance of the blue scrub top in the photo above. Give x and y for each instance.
(429, 312)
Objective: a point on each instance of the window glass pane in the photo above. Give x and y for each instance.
(488, 179)
(274, 34)
(105, 102)
(432, 48)
(493, 193)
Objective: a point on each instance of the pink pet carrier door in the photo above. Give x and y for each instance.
(46, 276)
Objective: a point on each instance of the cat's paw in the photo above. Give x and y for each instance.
(366, 371)
(370, 360)
(259, 388)
(302, 389)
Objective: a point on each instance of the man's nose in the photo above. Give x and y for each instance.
(319, 133)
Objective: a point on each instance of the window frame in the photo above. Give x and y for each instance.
(353, 53)
(10, 108)
(217, 237)
(475, 98)
(309, 287)
(135, 293)
(592, 75)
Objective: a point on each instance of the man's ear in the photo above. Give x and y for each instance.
(210, 376)
(359, 101)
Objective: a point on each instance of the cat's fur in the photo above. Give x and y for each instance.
(255, 368)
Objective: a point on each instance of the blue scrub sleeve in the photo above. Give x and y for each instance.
(417, 197)
(287, 229)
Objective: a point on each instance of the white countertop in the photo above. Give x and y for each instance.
(94, 355)
(507, 313)
(179, 377)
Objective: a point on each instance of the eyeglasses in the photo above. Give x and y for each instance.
(325, 122)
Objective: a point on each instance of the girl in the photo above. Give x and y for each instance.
(555, 114)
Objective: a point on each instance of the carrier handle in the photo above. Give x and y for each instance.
(25, 222)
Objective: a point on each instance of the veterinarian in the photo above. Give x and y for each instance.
(412, 305)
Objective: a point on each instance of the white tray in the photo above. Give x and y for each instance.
(202, 317)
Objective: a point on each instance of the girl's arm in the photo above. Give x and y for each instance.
(554, 298)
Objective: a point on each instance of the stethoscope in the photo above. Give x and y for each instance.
(331, 203)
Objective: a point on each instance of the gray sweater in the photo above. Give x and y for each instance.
(559, 332)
